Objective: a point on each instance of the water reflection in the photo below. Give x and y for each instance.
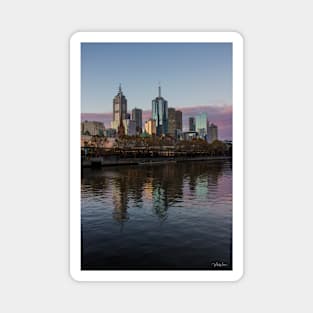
(163, 185)
(158, 216)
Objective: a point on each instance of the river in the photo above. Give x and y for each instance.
(160, 217)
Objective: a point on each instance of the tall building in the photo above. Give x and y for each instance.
(137, 117)
(130, 127)
(119, 111)
(192, 124)
(179, 120)
(172, 122)
(202, 125)
(150, 127)
(160, 114)
(212, 133)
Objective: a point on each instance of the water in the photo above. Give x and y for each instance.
(169, 216)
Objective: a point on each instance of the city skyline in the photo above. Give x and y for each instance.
(195, 78)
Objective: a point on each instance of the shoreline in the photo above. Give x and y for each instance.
(98, 162)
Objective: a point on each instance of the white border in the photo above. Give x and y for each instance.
(75, 111)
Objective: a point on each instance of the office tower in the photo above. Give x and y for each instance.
(179, 120)
(119, 112)
(137, 117)
(212, 133)
(192, 124)
(202, 125)
(160, 114)
(172, 122)
(150, 127)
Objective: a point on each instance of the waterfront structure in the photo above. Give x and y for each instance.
(137, 117)
(119, 112)
(189, 135)
(192, 124)
(212, 132)
(202, 125)
(92, 128)
(160, 114)
(179, 120)
(172, 122)
(150, 127)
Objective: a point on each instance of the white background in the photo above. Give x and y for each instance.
(34, 158)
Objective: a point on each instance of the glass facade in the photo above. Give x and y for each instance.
(202, 125)
(160, 114)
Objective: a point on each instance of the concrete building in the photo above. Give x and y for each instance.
(192, 124)
(150, 127)
(172, 122)
(92, 128)
(119, 112)
(212, 132)
(179, 120)
(160, 114)
(137, 117)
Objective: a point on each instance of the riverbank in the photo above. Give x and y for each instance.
(102, 162)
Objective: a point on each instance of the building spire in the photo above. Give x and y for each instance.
(120, 88)
(159, 90)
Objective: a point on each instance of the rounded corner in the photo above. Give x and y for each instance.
(74, 275)
(238, 36)
(75, 36)
(238, 276)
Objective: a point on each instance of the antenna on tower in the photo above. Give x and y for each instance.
(159, 90)
(120, 88)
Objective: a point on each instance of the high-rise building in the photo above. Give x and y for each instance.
(137, 117)
(160, 114)
(130, 127)
(172, 122)
(179, 120)
(150, 127)
(192, 124)
(212, 133)
(119, 111)
(202, 125)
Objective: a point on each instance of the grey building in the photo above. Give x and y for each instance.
(137, 117)
(192, 124)
(179, 120)
(212, 132)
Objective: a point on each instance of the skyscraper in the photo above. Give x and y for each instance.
(150, 127)
(172, 122)
(137, 117)
(119, 111)
(202, 125)
(160, 114)
(179, 120)
(192, 124)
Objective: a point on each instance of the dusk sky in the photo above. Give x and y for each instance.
(195, 77)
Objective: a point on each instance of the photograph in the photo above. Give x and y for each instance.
(155, 173)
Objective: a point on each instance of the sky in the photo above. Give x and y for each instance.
(194, 77)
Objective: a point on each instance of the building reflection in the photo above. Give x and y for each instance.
(156, 186)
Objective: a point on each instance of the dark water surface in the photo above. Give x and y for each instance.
(169, 216)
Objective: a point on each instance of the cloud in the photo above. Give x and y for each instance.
(221, 115)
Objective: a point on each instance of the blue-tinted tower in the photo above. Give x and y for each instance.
(160, 114)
